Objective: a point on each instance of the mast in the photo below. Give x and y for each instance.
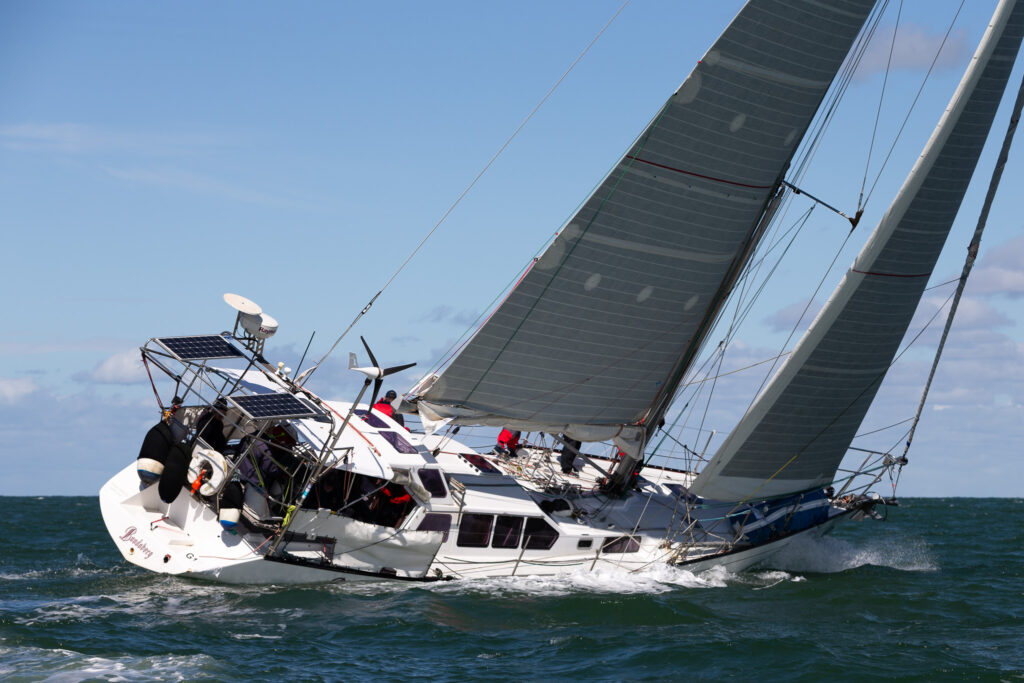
(797, 431)
(623, 474)
(595, 338)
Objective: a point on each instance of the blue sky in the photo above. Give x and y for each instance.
(154, 156)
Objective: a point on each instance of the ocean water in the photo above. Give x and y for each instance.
(934, 593)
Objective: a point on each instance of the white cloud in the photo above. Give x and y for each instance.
(915, 48)
(77, 138)
(121, 368)
(11, 390)
(1000, 270)
(28, 345)
(447, 314)
(197, 184)
(972, 313)
(784, 319)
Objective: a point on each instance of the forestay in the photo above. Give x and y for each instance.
(601, 329)
(797, 431)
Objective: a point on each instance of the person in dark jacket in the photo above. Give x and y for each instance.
(567, 459)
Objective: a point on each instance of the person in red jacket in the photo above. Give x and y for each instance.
(383, 406)
(508, 442)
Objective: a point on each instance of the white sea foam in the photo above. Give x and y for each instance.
(656, 579)
(83, 567)
(59, 665)
(68, 572)
(166, 598)
(254, 636)
(828, 555)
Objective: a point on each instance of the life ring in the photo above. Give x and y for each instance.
(213, 463)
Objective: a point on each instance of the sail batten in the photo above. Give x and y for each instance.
(797, 431)
(600, 329)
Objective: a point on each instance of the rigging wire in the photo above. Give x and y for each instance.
(878, 112)
(796, 325)
(826, 113)
(469, 187)
(913, 104)
(882, 429)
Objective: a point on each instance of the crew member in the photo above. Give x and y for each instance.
(383, 406)
(508, 442)
(567, 459)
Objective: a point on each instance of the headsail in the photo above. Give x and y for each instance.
(796, 433)
(598, 334)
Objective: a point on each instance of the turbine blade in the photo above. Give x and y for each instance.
(397, 368)
(377, 383)
(368, 351)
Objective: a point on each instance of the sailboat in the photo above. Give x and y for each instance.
(249, 476)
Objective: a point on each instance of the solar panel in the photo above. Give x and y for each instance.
(272, 406)
(200, 348)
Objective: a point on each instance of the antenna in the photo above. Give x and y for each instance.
(256, 325)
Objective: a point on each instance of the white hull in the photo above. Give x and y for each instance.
(186, 538)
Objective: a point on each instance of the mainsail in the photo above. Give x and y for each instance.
(597, 335)
(796, 433)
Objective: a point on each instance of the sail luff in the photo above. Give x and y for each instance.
(797, 431)
(590, 337)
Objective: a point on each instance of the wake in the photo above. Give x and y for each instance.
(830, 555)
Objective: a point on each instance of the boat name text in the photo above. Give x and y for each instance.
(130, 537)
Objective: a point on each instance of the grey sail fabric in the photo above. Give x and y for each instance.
(796, 433)
(622, 298)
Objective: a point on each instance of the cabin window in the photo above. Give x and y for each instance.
(584, 543)
(475, 530)
(539, 535)
(506, 532)
(433, 482)
(435, 521)
(398, 443)
(621, 544)
(372, 420)
(480, 462)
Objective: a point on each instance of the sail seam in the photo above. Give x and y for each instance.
(878, 274)
(699, 175)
